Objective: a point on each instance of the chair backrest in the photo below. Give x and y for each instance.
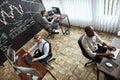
(10, 54)
(30, 71)
(38, 18)
(82, 49)
(50, 49)
(44, 26)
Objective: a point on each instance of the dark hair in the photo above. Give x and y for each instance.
(42, 12)
(87, 28)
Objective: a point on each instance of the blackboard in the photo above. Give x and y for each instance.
(18, 22)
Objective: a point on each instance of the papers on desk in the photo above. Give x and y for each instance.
(115, 53)
(57, 15)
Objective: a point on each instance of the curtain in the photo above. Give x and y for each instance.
(103, 15)
(106, 15)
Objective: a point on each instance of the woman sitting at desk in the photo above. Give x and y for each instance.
(49, 24)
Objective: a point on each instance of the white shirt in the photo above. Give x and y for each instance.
(40, 47)
(90, 44)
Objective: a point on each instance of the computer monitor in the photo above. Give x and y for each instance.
(50, 13)
(56, 10)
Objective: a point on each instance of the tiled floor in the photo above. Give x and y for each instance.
(69, 63)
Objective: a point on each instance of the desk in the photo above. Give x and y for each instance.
(63, 17)
(60, 19)
(115, 73)
(21, 62)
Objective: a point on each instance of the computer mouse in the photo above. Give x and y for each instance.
(108, 64)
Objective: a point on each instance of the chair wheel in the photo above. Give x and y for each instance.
(85, 65)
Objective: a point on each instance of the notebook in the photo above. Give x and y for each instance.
(28, 59)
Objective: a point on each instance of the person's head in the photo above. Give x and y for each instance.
(43, 13)
(89, 31)
(37, 38)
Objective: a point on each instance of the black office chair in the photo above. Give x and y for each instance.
(85, 54)
(49, 58)
(51, 31)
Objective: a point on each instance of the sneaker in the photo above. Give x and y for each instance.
(56, 31)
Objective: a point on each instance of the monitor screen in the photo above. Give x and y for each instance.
(56, 10)
(50, 13)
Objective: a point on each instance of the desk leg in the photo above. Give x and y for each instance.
(67, 31)
(52, 75)
(61, 28)
(97, 74)
(97, 71)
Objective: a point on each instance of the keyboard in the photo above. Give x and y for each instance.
(28, 59)
(57, 15)
(116, 52)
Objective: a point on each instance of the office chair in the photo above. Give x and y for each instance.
(31, 73)
(85, 54)
(49, 58)
(51, 31)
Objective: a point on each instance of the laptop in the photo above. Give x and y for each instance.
(28, 59)
(115, 53)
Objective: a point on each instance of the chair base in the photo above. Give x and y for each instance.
(52, 75)
(91, 61)
(51, 67)
(51, 34)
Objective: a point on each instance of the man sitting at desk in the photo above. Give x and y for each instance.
(43, 47)
(95, 46)
(52, 24)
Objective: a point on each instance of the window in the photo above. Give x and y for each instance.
(110, 7)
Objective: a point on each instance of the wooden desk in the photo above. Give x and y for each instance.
(115, 73)
(21, 62)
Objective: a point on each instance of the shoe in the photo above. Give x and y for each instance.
(56, 31)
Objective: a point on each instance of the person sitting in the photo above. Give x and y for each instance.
(95, 46)
(43, 47)
(52, 24)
